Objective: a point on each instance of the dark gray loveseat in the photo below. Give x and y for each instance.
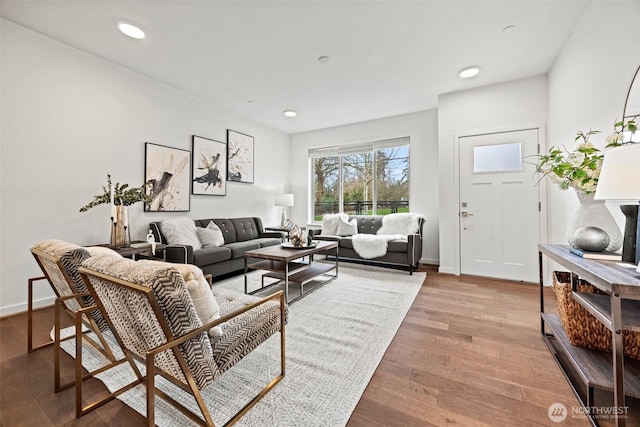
(240, 235)
(402, 253)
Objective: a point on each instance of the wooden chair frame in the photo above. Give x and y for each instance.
(173, 343)
(81, 319)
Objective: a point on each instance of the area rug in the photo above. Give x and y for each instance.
(335, 339)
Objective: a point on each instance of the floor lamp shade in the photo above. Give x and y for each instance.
(619, 180)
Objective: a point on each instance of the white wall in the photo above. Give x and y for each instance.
(421, 127)
(68, 119)
(511, 105)
(588, 86)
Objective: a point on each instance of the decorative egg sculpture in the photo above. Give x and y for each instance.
(592, 239)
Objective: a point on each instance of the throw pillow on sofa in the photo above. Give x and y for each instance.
(347, 228)
(210, 236)
(330, 223)
(400, 223)
(181, 231)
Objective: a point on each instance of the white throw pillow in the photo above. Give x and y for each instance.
(210, 237)
(204, 302)
(330, 223)
(180, 231)
(400, 223)
(347, 228)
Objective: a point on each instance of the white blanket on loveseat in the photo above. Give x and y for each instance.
(373, 245)
(396, 226)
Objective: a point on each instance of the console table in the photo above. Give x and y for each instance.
(618, 310)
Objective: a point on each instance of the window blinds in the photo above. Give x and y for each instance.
(315, 153)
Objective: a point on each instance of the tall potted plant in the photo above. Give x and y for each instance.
(579, 169)
(119, 196)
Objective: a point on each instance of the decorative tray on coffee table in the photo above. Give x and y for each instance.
(289, 245)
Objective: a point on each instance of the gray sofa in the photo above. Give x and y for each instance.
(240, 235)
(400, 253)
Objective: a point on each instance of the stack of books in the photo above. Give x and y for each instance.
(605, 255)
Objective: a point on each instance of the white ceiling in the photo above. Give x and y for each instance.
(387, 57)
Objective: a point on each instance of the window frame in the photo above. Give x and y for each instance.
(343, 150)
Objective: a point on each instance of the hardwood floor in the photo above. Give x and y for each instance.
(469, 353)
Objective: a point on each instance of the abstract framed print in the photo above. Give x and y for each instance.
(239, 157)
(167, 177)
(209, 167)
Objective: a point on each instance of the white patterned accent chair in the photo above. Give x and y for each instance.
(149, 308)
(59, 262)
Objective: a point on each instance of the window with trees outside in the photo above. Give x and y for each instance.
(363, 179)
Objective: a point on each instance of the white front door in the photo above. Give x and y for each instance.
(499, 206)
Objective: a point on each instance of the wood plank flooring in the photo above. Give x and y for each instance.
(469, 353)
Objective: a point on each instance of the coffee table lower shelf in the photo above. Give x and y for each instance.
(299, 273)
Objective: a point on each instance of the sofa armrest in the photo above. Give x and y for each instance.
(315, 231)
(179, 254)
(274, 234)
(414, 248)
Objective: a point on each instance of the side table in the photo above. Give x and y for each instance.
(283, 230)
(135, 253)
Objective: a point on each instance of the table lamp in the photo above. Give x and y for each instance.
(620, 180)
(284, 200)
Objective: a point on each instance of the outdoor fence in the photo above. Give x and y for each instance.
(361, 207)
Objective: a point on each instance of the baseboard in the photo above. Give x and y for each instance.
(22, 308)
(446, 270)
(429, 261)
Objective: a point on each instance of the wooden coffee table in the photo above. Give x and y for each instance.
(287, 265)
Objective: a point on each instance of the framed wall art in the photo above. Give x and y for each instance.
(209, 167)
(239, 157)
(167, 177)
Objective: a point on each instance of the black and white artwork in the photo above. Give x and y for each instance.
(167, 177)
(209, 167)
(240, 157)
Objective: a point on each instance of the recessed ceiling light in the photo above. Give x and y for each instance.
(508, 28)
(469, 72)
(131, 30)
(290, 113)
(323, 59)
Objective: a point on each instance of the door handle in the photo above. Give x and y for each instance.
(465, 213)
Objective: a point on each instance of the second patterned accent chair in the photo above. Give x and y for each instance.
(149, 307)
(59, 262)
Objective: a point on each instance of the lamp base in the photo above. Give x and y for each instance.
(630, 240)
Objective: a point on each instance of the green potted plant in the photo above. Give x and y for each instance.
(579, 169)
(119, 196)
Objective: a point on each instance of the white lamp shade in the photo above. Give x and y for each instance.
(284, 199)
(620, 175)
